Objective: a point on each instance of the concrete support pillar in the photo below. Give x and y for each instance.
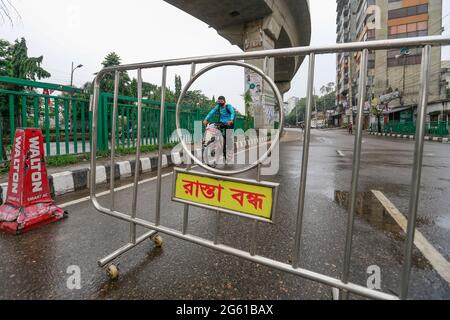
(261, 35)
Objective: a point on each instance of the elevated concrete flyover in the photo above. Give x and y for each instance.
(256, 25)
(259, 25)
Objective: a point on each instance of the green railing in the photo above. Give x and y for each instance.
(126, 121)
(433, 128)
(66, 121)
(405, 128)
(438, 128)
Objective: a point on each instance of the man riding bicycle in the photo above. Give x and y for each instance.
(226, 119)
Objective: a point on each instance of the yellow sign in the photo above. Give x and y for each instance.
(231, 195)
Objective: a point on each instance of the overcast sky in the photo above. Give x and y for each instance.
(85, 31)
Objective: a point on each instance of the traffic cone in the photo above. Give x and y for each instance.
(28, 201)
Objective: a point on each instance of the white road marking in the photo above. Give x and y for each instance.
(339, 152)
(437, 260)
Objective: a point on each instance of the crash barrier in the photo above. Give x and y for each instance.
(254, 191)
(28, 201)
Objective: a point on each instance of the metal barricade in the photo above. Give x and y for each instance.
(343, 284)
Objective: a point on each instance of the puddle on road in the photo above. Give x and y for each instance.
(372, 211)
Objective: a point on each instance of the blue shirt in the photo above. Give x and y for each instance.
(226, 113)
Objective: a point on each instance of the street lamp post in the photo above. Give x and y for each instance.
(403, 53)
(71, 93)
(72, 71)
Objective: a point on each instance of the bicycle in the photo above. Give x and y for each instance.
(213, 144)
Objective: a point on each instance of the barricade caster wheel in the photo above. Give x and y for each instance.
(157, 240)
(112, 271)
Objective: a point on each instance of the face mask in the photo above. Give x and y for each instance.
(221, 104)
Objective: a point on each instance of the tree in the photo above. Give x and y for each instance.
(178, 86)
(87, 90)
(377, 112)
(197, 98)
(15, 62)
(325, 102)
(148, 89)
(107, 83)
(247, 103)
(128, 87)
(4, 61)
(20, 65)
(299, 111)
(327, 89)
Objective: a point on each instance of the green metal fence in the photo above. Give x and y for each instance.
(438, 128)
(126, 121)
(406, 128)
(433, 128)
(66, 121)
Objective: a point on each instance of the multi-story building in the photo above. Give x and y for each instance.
(351, 19)
(393, 75)
(343, 22)
(440, 110)
(445, 72)
(291, 104)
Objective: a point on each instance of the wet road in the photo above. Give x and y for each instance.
(34, 265)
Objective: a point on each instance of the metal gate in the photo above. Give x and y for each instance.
(339, 285)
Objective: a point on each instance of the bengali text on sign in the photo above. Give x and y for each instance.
(249, 198)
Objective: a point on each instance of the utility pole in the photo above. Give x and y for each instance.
(404, 79)
(404, 52)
